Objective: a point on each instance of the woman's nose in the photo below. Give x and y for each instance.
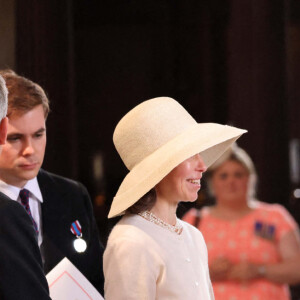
(201, 165)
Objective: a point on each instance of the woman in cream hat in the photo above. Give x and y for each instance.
(150, 253)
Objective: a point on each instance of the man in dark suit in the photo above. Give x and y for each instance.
(61, 209)
(21, 272)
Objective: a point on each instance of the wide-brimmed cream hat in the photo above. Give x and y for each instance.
(155, 137)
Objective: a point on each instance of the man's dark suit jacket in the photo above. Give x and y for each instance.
(65, 201)
(21, 271)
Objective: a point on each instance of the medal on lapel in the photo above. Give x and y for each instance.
(79, 244)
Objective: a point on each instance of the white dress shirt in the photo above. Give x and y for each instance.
(35, 200)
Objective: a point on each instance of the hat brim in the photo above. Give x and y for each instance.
(209, 139)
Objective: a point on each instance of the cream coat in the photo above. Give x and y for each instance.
(144, 261)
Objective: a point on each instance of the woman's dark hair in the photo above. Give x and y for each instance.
(144, 203)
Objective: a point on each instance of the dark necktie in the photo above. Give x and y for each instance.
(24, 195)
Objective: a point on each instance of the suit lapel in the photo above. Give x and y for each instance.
(52, 221)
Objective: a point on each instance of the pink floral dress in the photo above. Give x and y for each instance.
(253, 238)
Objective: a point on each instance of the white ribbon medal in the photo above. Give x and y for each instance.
(79, 244)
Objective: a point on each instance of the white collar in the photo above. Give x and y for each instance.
(13, 191)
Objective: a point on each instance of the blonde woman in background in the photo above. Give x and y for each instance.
(253, 247)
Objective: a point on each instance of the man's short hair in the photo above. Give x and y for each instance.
(23, 94)
(3, 98)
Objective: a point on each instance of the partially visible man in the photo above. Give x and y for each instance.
(61, 209)
(21, 272)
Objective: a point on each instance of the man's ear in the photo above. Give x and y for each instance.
(3, 130)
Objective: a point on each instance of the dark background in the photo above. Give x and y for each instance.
(225, 61)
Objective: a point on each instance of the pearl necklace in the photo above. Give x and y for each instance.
(149, 216)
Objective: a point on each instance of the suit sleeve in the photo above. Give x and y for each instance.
(21, 272)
